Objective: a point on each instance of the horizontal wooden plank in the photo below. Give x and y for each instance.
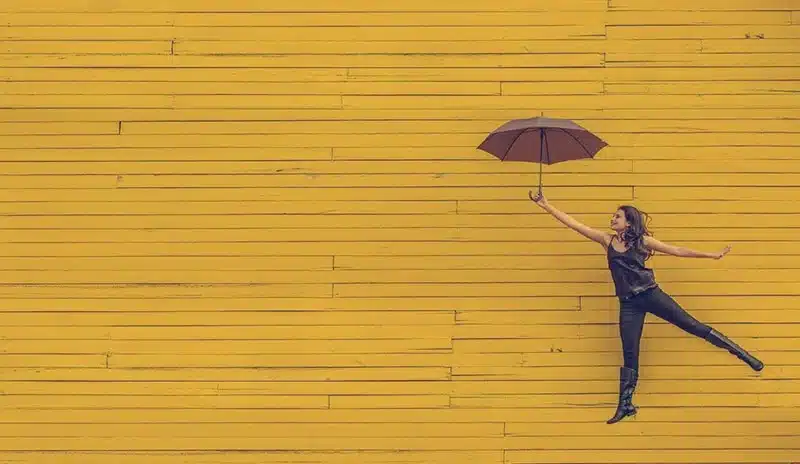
(392, 457)
(266, 332)
(598, 126)
(611, 329)
(466, 157)
(678, 342)
(681, 73)
(589, 44)
(295, 361)
(233, 317)
(643, 400)
(400, 19)
(718, 302)
(370, 457)
(370, 74)
(233, 208)
(323, 360)
(282, 88)
(97, 19)
(550, 179)
(317, 290)
(265, 234)
(591, 30)
(544, 416)
(46, 47)
(443, 234)
(710, 316)
(256, 457)
(314, 290)
(415, 19)
(572, 102)
(667, 16)
(90, 101)
(542, 60)
(327, 16)
(254, 6)
(729, 166)
(611, 120)
(499, 262)
(166, 101)
(372, 194)
(706, 88)
(323, 221)
(368, 167)
(350, 374)
(389, 401)
(702, 32)
(357, 290)
(663, 456)
(441, 443)
(697, 153)
(685, 429)
(708, 5)
(701, 60)
(271, 263)
(374, 140)
(223, 347)
(549, 274)
(734, 369)
(211, 402)
(650, 206)
(58, 128)
(428, 249)
(461, 388)
(575, 74)
(172, 75)
(303, 303)
(476, 430)
(748, 46)
(143, 155)
(53, 360)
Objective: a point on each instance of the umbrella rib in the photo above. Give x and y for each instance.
(576, 139)
(511, 145)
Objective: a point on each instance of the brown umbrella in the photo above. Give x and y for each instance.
(542, 140)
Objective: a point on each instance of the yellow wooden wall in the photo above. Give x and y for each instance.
(241, 231)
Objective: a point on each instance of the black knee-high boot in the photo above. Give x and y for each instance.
(627, 385)
(721, 341)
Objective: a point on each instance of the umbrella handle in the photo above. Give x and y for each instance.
(537, 197)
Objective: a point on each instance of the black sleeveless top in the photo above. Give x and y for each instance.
(629, 272)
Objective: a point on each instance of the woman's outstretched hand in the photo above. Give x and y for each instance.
(539, 198)
(722, 253)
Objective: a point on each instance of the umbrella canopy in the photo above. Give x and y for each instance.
(542, 140)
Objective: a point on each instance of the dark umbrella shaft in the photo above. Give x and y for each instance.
(543, 151)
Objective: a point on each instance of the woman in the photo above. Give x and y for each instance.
(627, 249)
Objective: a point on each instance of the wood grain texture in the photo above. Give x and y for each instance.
(251, 232)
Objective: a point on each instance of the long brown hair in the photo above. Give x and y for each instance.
(638, 222)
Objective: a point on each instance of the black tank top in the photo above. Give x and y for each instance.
(629, 272)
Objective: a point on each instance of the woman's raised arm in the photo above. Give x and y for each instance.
(588, 232)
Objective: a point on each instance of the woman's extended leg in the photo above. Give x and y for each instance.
(631, 322)
(663, 306)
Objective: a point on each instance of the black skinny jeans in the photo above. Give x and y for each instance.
(631, 320)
